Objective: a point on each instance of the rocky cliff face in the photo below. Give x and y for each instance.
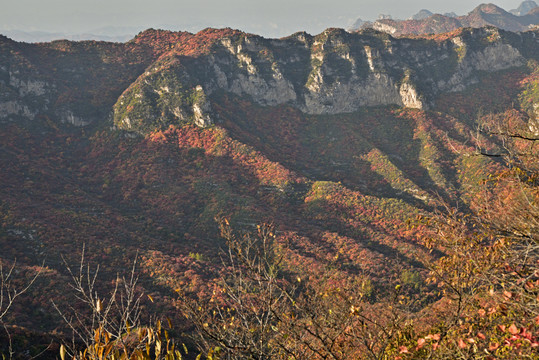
(333, 72)
(66, 82)
(22, 95)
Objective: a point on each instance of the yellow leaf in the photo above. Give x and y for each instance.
(63, 352)
(157, 348)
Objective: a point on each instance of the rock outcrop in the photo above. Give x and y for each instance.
(174, 82)
(333, 72)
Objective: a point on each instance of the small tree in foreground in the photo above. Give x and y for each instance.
(10, 290)
(110, 326)
(261, 311)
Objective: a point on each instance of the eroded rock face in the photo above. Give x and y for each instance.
(409, 96)
(67, 116)
(376, 89)
(273, 92)
(65, 82)
(17, 108)
(28, 87)
(25, 96)
(384, 26)
(22, 97)
(335, 71)
(495, 57)
(201, 108)
(330, 73)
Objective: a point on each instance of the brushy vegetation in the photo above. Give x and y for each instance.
(395, 233)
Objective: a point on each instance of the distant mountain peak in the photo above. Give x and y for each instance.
(488, 14)
(524, 8)
(357, 24)
(490, 9)
(422, 14)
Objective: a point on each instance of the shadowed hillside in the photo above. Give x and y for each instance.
(340, 140)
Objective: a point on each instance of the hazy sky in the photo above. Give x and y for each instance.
(268, 18)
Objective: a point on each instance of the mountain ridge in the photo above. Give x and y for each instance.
(331, 72)
(483, 15)
(524, 8)
(224, 124)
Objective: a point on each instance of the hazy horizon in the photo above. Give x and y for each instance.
(271, 19)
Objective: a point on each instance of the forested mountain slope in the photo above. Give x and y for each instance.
(340, 140)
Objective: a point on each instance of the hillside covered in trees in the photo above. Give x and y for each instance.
(336, 196)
